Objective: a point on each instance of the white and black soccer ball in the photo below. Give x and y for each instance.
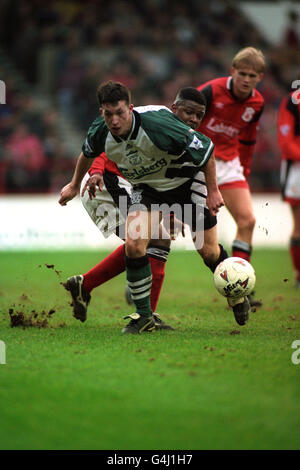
(234, 277)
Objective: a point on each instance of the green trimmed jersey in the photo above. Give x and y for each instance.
(160, 151)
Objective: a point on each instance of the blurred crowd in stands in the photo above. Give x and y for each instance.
(64, 49)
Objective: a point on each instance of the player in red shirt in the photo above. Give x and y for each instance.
(233, 110)
(288, 131)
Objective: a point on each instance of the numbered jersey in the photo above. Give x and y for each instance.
(288, 128)
(288, 132)
(160, 151)
(228, 121)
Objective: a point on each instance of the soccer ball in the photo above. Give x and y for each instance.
(234, 277)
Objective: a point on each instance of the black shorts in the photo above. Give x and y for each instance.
(119, 191)
(187, 202)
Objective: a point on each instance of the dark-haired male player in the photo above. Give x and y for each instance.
(160, 156)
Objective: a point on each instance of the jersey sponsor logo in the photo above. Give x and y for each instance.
(248, 114)
(222, 128)
(285, 129)
(196, 143)
(138, 173)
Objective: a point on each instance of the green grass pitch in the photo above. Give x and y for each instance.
(210, 384)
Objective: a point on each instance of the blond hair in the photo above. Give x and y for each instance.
(250, 57)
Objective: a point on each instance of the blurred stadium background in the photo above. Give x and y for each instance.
(53, 56)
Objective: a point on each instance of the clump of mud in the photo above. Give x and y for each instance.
(39, 319)
(32, 319)
(51, 266)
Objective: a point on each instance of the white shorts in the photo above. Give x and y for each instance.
(290, 181)
(230, 174)
(103, 208)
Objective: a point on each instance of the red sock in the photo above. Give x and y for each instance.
(158, 275)
(241, 249)
(110, 267)
(241, 254)
(114, 264)
(295, 255)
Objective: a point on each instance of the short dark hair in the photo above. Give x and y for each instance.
(112, 92)
(190, 94)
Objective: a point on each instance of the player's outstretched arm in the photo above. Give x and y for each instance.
(69, 191)
(214, 198)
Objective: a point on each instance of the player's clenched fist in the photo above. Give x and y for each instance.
(214, 201)
(67, 193)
